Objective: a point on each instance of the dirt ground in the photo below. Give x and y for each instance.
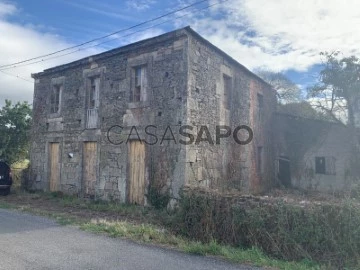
(78, 208)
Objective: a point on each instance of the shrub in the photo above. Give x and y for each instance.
(326, 233)
(158, 198)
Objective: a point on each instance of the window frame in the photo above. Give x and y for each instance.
(139, 84)
(259, 159)
(55, 98)
(328, 167)
(227, 84)
(260, 106)
(93, 93)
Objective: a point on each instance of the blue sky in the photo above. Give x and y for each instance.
(78, 21)
(280, 35)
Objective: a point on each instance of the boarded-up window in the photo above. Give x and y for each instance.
(325, 165)
(139, 84)
(227, 91)
(55, 99)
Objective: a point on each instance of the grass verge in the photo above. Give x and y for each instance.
(136, 227)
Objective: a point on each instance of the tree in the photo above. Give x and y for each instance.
(302, 109)
(338, 87)
(287, 91)
(14, 131)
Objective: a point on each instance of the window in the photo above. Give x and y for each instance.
(260, 98)
(55, 99)
(227, 91)
(325, 165)
(93, 100)
(259, 162)
(320, 165)
(260, 105)
(139, 84)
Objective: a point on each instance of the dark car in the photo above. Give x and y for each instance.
(5, 178)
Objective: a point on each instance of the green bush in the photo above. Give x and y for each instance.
(326, 233)
(158, 198)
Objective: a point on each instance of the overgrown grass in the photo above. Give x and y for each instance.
(150, 234)
(326, 233)
(5, 205)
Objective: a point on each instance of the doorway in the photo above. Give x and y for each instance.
(284, 173)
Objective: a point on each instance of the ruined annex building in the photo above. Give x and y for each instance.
(99, 122)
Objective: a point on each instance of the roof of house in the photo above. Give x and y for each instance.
(146, 42)
(315, 120)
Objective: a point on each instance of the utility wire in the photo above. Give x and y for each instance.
(107, 41)
(16, 76)
(108, 35)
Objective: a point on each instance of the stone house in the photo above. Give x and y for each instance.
(315, 155)
(149, 117)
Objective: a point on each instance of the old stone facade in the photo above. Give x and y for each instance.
(316, 155)
(109, 126)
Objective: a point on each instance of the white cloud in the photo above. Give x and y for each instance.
(6, 9)
(21, 42)
(272, 35)
(140, 4)
(102, 9)
(281, 34)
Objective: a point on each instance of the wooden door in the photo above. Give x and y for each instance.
(89, 168)
(136, 188)
(54, 166)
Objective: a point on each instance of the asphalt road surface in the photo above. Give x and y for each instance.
(32, 242)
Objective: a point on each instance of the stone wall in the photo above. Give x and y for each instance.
(227, 165)
(186, 81)
(166, 62)
(303, 140)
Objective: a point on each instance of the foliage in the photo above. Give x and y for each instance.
(157, 198)
(302, 109)
(14, 131)
(337, 86)
(329, 234)
(287, 91)
(149, 233)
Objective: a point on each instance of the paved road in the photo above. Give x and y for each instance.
(32, 242)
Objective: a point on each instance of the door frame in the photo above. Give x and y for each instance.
(284, 159)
